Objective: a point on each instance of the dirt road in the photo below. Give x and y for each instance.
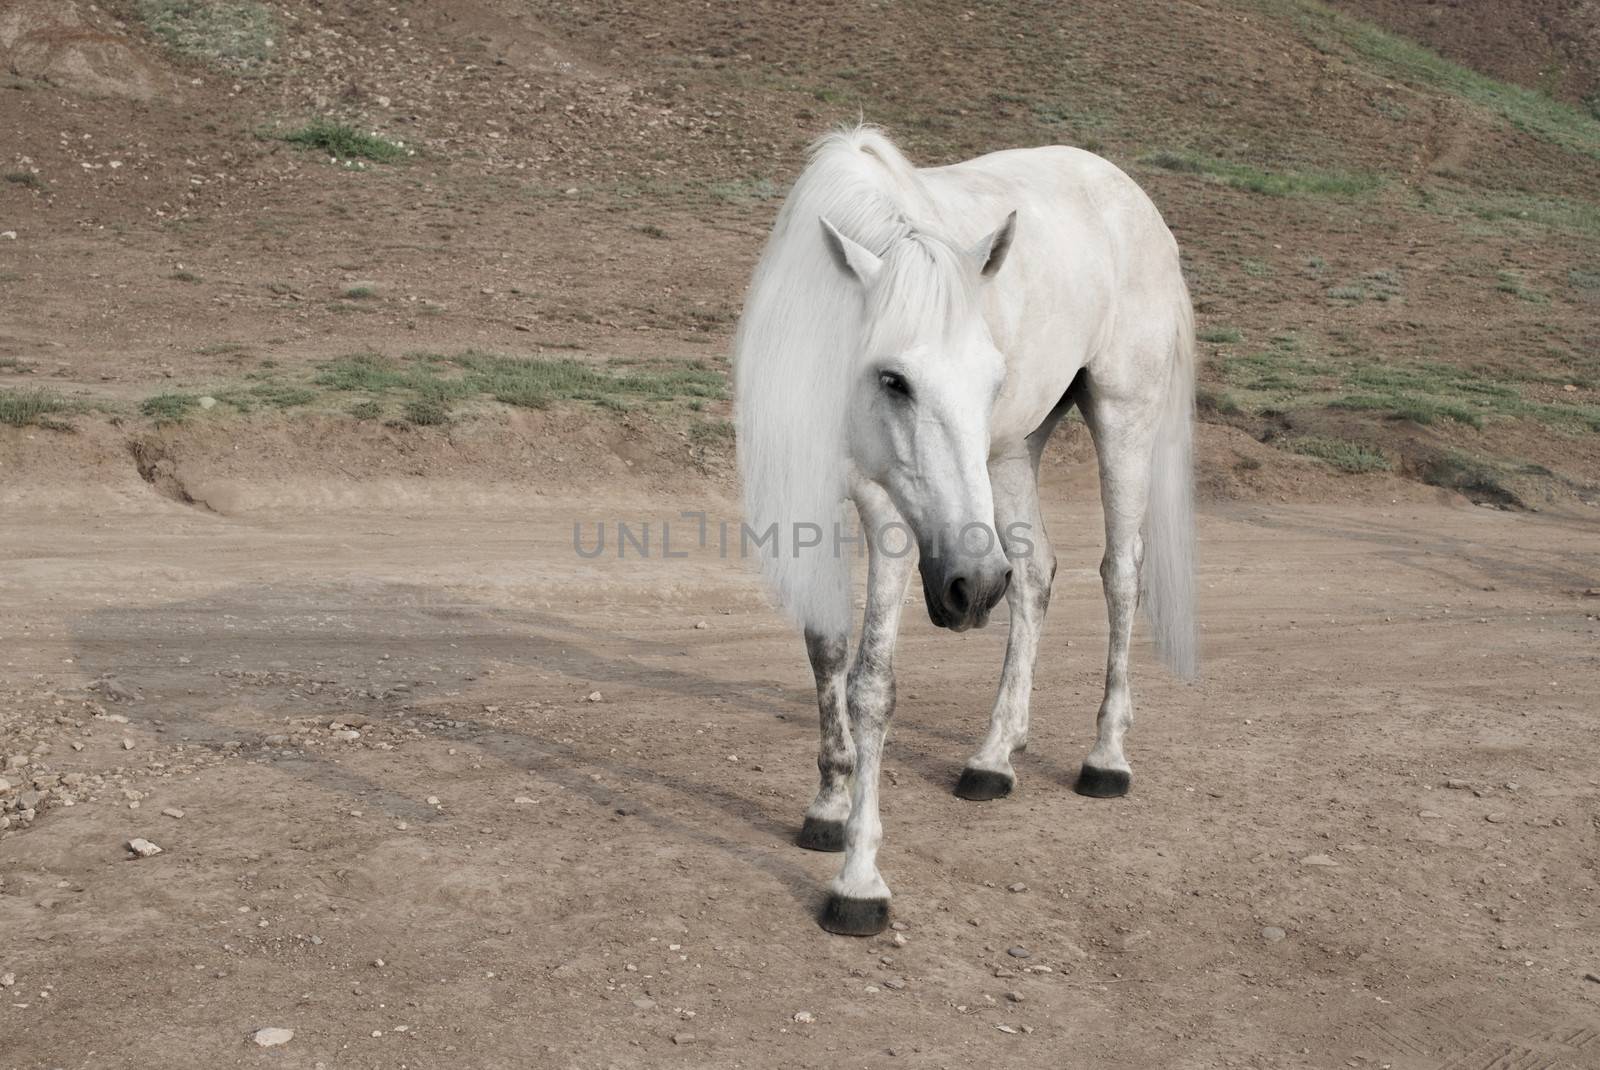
(499, 871)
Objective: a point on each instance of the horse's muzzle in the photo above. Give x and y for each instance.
(960, 596)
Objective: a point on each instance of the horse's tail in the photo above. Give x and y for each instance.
(1169, 583)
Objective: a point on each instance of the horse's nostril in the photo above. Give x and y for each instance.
(956, 596)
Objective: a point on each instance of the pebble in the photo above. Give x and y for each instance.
(683, 1038)
(804, 1017)
(899, 940)
(1272, 934)
(171, 811)
(1595, 977)
(143, 848)
(899, 926)
(1457, 785)
(348, 735)
(127, 744)
(595, 696)
(701, 625)
(1019, 952)
(1494, 818)
(272, 1036)
(1317, 860)
(1017, 887)
(1015, 997)
(208, 402)
(644, 1004)
(522, 800)
(9, 979)
(1428, 815)
(894, 984)
(1006, 1028)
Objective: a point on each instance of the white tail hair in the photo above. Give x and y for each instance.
(794, 360)
(1169, 582)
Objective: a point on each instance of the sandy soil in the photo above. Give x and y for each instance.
(613, 883)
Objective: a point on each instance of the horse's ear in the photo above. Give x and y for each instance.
(991, 252)
(852, 257)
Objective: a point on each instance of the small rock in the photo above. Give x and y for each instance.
(700, 625)
(894, 984)
(127, 744)
(1595, 977)
(1457, 785)
(272, 1036)
(1019, 952)
(1317, 860)
(804, 1017)
(595, 696)
(522, 800)
(1494, 818)
(1429, 815)
(899, 926)
(683, 1038)
(143, 848)
(208, 402)
(115, 689)
(348, 735)
(644, 1004)
(1017, 887)
(433, 800)
(172, 812)
(1272, 934)
(9, 979)
(1015, 997)
(899, 940)
(1006, 1029)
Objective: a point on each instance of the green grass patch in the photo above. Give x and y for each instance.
(1270, 183)
(366, 410)
(185, 276)
(1512, 283)
(1482, 481)
(170, 408)
(236, 34)
(1398, 58)
(269, 395)
(1422, 392)
(344, 141)
(20, 408)
(1344, 455)
(711, 432)
(427, 411)
(1220, 335)
(531, 382)
(24, 178)
(361, 293)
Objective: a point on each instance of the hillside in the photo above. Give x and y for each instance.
(1394, 259)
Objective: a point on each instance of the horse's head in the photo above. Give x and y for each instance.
(918, 421)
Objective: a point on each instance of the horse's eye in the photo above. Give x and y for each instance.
(895, 383)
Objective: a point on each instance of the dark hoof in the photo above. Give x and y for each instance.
(981, 785)
(855, 917)
(820, 835)
(1102, 783)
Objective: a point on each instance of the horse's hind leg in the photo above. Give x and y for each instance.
(1124, 435)
(836, 756)
(858, 900)
(988, 773)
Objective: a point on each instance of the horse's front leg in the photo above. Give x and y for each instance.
(836, 755)
(858, 900)
(988, 774)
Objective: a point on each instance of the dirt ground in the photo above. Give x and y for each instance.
(1389, 758)
(339, 667)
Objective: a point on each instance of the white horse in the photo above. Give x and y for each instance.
(899, 351)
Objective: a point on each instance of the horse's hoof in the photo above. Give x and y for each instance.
(820, 834)
(1100, 783)
(855, 917)
(981, 785)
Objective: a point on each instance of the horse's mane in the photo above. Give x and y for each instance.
(793, 362)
